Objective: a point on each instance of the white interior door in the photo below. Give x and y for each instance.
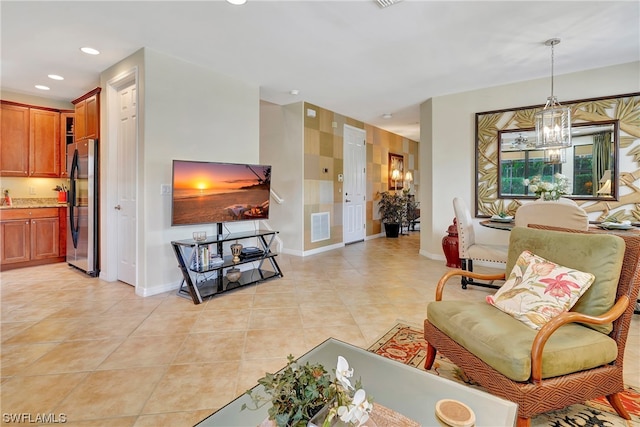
(126, 184)
(355, 184)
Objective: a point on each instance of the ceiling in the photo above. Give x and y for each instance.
(352, 57)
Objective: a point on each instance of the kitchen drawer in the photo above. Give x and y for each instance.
(22, 213)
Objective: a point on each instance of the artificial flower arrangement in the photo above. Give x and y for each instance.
(299, 392)
(549, 190)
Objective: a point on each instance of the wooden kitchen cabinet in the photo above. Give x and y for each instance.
(14, 140)
(30, 141)
(15, 243)
(44, 143)
(67, 137)
(32, 237)
(87, 116)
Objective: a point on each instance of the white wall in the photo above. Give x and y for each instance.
(281, 136)
(185, 112)
(450, 156)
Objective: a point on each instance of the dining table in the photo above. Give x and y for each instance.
(634, 228)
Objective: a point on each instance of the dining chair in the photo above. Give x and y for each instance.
(469, 250)
(552, 213)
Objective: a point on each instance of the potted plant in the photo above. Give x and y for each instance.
(299, 393)
(393, 209)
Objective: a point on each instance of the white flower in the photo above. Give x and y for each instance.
(343, 373)
(358, 411)
(525, 182)
(549, 190)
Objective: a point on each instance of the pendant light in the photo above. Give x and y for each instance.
(553, 122)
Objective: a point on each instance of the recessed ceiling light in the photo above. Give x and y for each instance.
(294, 91)
(42, 87)
(55, 77)
(387, 116)
(237, 2)
(90, 50)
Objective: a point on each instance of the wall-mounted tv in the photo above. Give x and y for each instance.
(211, 192)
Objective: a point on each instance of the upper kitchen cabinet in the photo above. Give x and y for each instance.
(44, 143)
(30, 141)
(87, 116)
(66, 137)
(14, 140)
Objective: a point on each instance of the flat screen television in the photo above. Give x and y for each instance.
(211, 192)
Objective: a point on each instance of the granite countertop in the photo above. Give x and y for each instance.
(31, 203)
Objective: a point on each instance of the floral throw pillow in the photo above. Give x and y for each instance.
(537, 290)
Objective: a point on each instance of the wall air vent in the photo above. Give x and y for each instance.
(386, 3)
(320, 226)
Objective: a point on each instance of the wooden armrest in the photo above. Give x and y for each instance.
(547, 330)
(459, 272)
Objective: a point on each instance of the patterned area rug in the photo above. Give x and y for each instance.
(406, 344)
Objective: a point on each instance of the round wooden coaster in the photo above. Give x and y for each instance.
(454, 413)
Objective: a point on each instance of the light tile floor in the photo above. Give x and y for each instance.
(101, 355)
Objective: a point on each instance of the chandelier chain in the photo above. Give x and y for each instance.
(552, 62)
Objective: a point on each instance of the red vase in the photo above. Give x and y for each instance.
(450, 246)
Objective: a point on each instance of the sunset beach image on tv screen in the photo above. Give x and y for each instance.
(209, 192)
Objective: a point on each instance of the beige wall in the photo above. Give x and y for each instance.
(300, 148)
(449, 149)
(189, 113)
(280, 147)
(323, 148)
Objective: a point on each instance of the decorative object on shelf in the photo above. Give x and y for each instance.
(7, 198)
(393, 209)
(234, 274)
(298, 392)
(236, 250)
(553, 122)
(549, 190)
(199, 236)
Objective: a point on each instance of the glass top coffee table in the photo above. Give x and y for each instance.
(403, 388)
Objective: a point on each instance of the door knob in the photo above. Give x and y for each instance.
(117, 207)
(347, 200)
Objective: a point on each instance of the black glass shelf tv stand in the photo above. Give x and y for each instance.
(203, 280)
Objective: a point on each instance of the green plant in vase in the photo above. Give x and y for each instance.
(298, 392)
(393, 210)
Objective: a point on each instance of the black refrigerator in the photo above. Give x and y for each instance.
(82, 211)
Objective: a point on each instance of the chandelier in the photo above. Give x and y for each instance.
(553, 122)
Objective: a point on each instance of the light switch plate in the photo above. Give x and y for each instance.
(165, 189)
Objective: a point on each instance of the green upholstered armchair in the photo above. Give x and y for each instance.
(576, 356)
